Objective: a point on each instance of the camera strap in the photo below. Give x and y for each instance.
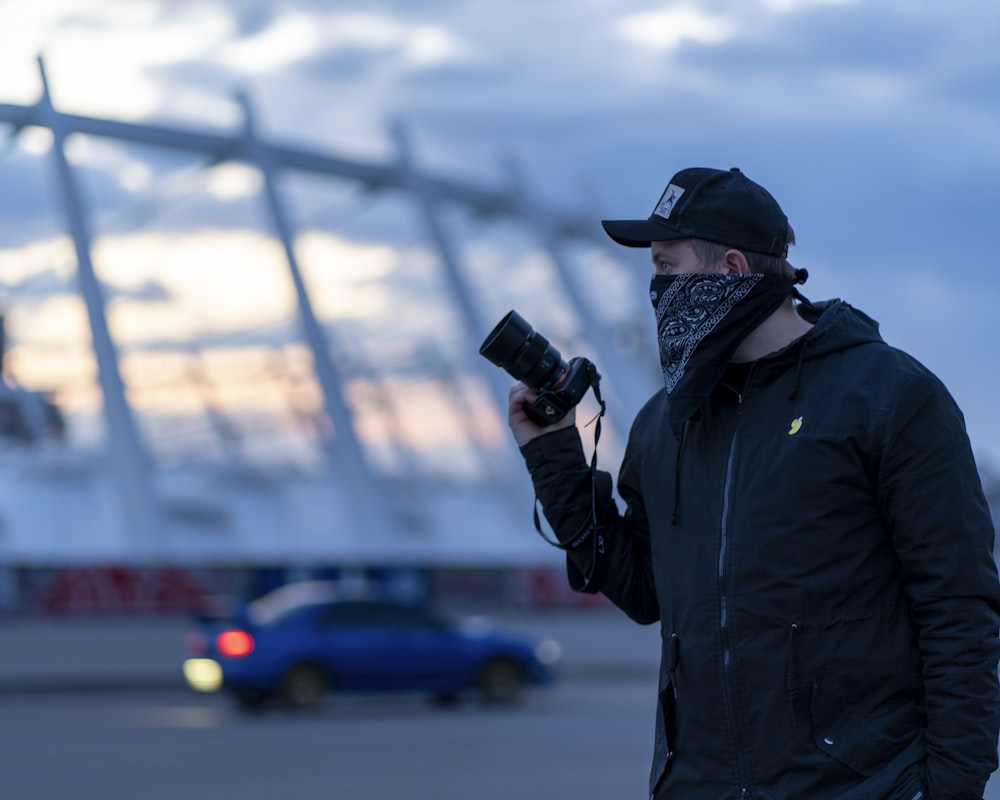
(590, 531)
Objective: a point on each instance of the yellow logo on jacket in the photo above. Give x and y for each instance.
(796, 426)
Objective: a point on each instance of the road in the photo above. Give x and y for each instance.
(96, 710)
(586, 739)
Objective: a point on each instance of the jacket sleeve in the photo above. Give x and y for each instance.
(613, 556)
(932, 499)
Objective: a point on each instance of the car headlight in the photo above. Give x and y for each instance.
(203, 674)
(548, 651)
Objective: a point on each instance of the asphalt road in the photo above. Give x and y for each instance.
(589, 739)
(97, 710)
(586, 739)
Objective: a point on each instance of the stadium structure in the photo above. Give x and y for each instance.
(402, 454)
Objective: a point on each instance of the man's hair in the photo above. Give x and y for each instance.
(713, 253)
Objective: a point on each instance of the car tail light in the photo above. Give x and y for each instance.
(234, 643)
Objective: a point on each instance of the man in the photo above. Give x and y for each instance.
(805, 520)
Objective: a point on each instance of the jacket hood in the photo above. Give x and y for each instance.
(836, 326)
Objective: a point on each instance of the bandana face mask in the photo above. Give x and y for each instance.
(701, 319)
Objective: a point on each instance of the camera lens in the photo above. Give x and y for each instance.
(513, 345)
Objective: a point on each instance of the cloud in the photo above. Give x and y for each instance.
(874, 123)
(97, 53)
(791, 6)
(297, 36)
(666, 29)
(288, 39)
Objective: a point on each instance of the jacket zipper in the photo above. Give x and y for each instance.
(727, 664)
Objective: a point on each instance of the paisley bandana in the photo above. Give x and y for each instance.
(701, 319)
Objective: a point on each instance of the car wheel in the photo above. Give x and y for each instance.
(501, 680)
(304, 687)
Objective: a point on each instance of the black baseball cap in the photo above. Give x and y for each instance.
(717, 205)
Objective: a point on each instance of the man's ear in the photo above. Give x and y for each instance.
(734, 262)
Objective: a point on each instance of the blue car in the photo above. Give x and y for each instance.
(300, 642)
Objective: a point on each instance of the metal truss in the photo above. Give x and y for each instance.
(129, 456)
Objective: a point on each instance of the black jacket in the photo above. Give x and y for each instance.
(818, 552)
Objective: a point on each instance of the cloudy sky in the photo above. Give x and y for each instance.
(875, 124)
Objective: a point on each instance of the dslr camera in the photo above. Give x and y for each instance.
(514, 346)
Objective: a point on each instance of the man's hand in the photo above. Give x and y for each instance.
(523, 428)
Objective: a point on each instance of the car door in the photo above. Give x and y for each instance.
(427, 652)
(390, 647)
(354, 645)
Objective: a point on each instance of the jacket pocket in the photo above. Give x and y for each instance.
(663, 748)
(909, 785)
(666, 712)
(854, 738)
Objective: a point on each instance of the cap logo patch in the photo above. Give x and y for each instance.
(668, 200)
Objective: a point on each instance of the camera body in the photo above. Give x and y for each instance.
(514, 346)
(553, 404)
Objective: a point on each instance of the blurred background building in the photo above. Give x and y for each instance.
(350, 428)
(242, 299)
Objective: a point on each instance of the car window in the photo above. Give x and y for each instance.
(379, 615)
(279, 605)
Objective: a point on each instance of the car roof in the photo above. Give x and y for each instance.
(286, 599)
(281, 601)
